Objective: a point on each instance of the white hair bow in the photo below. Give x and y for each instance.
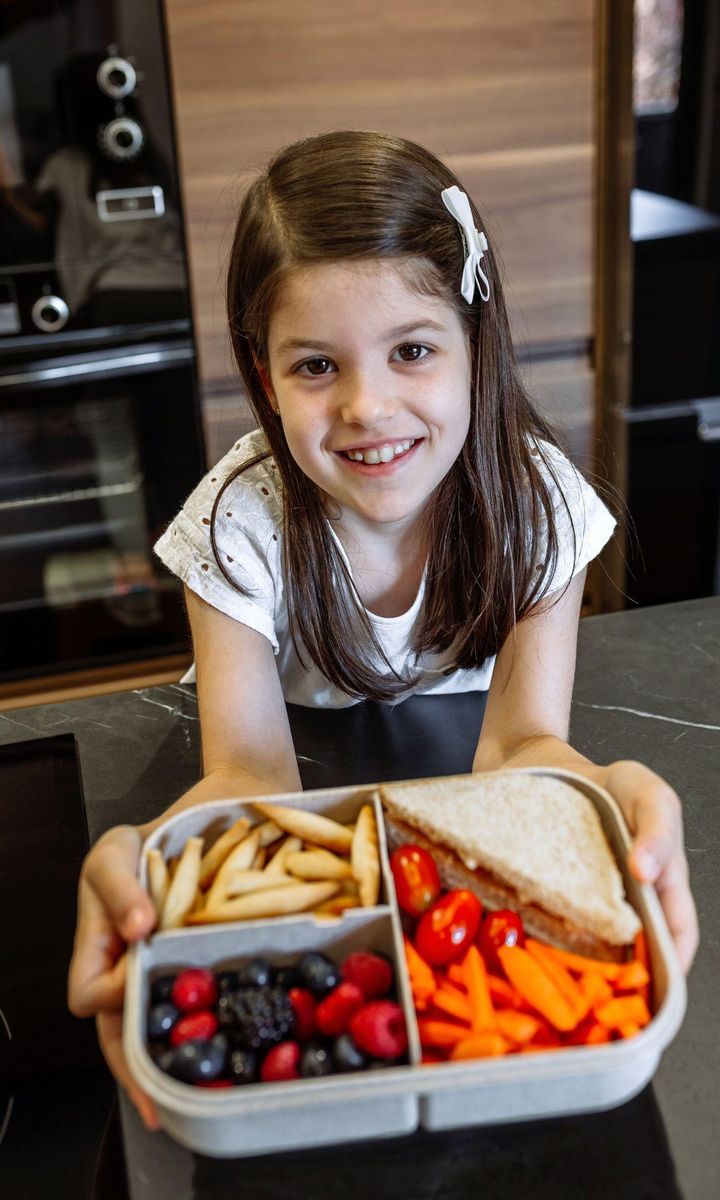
(458, 205)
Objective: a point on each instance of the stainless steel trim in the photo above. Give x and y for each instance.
(99, 367)
(110, 144)
(131, 209)
(75, 494)
(63, 312)
(105, 83)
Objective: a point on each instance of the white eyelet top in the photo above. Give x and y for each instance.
(248, 533)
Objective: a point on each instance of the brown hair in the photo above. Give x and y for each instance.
(491, 521)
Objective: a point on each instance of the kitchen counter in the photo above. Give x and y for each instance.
(647, 687)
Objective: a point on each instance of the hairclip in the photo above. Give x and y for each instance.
(475, 242)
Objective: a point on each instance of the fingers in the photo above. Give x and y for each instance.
(109, 1027)
(677, 902)
(111, 870)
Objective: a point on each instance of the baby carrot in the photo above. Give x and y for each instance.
(502, 993)
(561, 977)
(633, 976)
(596, 989)
(536, 986)
(517, 1027)
(629, 1029)
(453, 1002)
(623, 1010)
(440, 1033)
(488, 1043)
(456, 975)
(483, 1016)
(581, 964)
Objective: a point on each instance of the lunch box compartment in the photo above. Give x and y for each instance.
(260, 1118)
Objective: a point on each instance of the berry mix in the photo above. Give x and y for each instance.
(262, 1023)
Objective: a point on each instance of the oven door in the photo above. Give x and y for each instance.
(97, 453)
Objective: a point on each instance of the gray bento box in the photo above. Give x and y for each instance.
(261, 1118)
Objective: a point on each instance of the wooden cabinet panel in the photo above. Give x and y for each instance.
(503, 92)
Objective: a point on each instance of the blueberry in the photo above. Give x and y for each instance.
(320, 975)
(289, 977)
(161, 989)
(346, 1055)
(256, 973)
(161, 1020)
(316, 1061)
(196, 1061)
(244, 1066)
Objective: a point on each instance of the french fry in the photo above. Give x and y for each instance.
(317, 864)
(220, 849)
(181, 892)
(157, 879)
(309, 826)
(240, 858)
(365, 857)
(172, 864)
(240, 883)
(335, 906)
(260, 859)
(273, 902)
(276, 865)
(269, 832)
(199, 901)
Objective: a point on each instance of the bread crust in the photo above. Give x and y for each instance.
(495, 894)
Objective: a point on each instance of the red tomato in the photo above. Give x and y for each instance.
(501, 928)
(417, 882)
(446, 930)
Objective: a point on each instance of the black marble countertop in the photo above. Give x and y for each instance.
(647, 687)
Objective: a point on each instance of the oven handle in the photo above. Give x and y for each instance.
(98, 369)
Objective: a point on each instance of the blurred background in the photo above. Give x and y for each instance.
(590, 132)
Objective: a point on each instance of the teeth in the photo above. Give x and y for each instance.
(382, 453)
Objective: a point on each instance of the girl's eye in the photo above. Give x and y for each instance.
(412, 352)
(315, 366)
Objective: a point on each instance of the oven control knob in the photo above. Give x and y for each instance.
(116, 77)
(50, 313)
(122, 138)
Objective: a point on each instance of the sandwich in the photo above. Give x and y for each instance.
(531, 843)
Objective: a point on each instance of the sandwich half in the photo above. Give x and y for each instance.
(531, 843)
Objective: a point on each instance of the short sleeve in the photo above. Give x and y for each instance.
(247, 525)
(583, 523)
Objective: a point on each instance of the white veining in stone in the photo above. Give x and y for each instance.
(636, 712)
(175, 711)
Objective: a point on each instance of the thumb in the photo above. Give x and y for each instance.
(111, 870)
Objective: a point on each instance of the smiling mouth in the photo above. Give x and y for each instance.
(380, 454)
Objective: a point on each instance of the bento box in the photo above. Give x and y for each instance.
(259, 1118)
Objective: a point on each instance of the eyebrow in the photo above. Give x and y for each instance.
(327, 347)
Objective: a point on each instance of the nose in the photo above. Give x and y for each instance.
(366, 401)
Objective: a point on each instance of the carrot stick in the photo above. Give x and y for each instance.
(440, 1033)
(535, 986)
(502, 993)
(486, 1044)
(517, 1027)
(560, 976)
(623, 1010)
(588, 1033)
(633, 976)
(483, 1016)
(450, 1000)
(596, 989)
(417, 967)
(642, 955)
(629, 1029)
(580, 963)
(456, 975)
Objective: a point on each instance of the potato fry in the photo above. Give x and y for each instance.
(273, 902)
(269, 832)
(181, 892)
(260, 859)
(239, 883)
(335, 906)
(172, 865)
(158, 880)
(309, 826)
(240, 858)
(365, 856)
(199, 901)
(276, 865)
(317, 864)
(220, 849)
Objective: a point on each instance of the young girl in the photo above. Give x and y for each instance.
(403, 521)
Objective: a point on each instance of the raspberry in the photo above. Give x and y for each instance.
(281, 1062)
(303, 1006)
(335, 1011)
(372, 974)
(201, 1024)
(378, 1028)
(194, 989)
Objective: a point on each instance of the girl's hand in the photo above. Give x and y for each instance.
(113, 910)
(652, 810)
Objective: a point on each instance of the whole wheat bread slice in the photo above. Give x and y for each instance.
(539, 835)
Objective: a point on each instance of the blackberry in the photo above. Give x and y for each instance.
(254, 1018)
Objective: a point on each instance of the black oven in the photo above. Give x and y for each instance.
(100, 429)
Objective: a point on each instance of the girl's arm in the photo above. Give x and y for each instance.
(526, 724)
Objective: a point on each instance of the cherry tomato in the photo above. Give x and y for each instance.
(417, 882)
(446, 930)
(501, 928)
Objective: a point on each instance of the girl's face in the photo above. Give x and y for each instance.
(372, 381)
